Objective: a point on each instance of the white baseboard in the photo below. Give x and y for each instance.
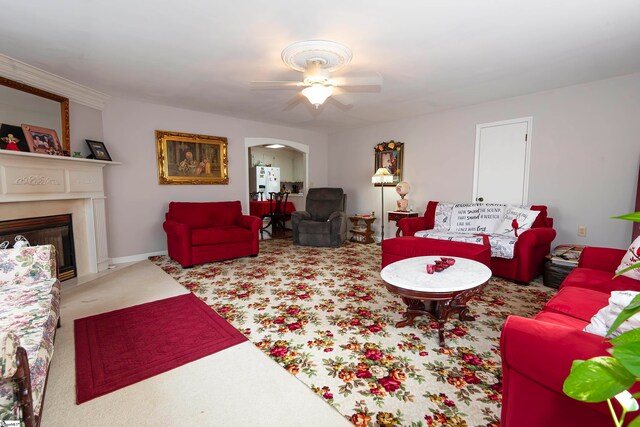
(135, 258)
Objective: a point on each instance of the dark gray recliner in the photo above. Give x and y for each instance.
(324, 223)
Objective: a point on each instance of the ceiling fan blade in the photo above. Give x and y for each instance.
(293, 102)
(341, 105)
(341, 98)
(358, 81)
(276, 85)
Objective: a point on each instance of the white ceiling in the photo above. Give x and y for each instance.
(433, 55)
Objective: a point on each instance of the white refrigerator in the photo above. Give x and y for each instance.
(264, 179)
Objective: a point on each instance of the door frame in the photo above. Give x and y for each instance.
(527, 162)
(258, 141)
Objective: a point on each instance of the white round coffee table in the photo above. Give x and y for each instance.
(437, 295)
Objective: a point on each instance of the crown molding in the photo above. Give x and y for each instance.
(32, 76)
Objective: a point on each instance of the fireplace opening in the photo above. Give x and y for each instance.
(54, 230)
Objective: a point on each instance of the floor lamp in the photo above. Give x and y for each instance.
(382, 177)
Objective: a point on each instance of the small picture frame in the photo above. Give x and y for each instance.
(42, 140)
(12, 138)
(98, 150)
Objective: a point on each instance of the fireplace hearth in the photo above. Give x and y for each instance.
(56, 230)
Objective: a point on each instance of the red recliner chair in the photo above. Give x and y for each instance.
(211, 231)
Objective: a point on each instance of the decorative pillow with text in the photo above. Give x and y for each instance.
(516, 221)
(630, 258)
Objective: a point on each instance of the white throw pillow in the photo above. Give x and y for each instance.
(603, 319)
(631, 257)
(516, 221)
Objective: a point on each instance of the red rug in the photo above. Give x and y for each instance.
(123, 347)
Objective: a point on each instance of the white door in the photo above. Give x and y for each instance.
(501, 173)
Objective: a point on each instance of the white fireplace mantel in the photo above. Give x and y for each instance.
(31, 177)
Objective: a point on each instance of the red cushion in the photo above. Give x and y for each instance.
(561, 319)
(580, 303)
(430, 214)
(541, 219)
(599, 280)
(223, 234)
(209, 214)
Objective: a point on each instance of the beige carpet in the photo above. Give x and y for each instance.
(239, 386)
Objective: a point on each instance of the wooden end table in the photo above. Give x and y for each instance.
(398, 215)
(362, 233)
(436, 295)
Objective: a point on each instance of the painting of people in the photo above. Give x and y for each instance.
(191, 159)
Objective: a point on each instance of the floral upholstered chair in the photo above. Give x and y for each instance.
(29, 313)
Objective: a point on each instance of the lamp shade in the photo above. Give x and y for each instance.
(317, 93)
(382, 176)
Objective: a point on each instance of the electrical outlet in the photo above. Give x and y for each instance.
(582, 231)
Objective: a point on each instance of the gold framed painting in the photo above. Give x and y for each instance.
(389, 155)
(187, 158)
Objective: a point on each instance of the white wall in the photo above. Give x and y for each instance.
(84, 123)
(136, 203)
(584, 157)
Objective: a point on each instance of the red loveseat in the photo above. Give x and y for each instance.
(529, 251)
(212, 231)
(537, 353)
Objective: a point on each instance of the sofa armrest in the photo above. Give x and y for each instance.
(250, 222)
(409, 226)
(9, 343)
(544, 352)
(537, 237)
(605, 259)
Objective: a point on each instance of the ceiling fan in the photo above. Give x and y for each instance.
(317, 59)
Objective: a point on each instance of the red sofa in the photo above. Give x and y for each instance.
(529, 253)
(212, 231)
(537, 353)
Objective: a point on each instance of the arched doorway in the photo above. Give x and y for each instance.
(293, 159)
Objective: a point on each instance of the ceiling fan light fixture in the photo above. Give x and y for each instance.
(317, 93)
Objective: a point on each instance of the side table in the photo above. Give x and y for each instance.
(398, 215)
(361, 233)
(560, 263)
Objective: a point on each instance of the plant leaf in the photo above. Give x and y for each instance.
(624, 270)
(627, 312)
(629, 356)
(597, 379)
(628, 337)
(635, 217)
(635, 422)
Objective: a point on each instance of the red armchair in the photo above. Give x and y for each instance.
(537, 353)
(213, 231)
(529, 252)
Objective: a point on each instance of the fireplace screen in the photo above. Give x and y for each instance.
(49, 230)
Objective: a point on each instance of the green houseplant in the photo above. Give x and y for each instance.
(604, 378)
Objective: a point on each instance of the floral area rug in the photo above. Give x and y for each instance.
(325, 316)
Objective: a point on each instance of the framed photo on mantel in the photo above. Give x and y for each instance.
(98, 150)
(389, 155)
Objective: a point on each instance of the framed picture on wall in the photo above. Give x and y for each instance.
(42, 140)
(98, 150)
(186, 158)
(389, 155)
